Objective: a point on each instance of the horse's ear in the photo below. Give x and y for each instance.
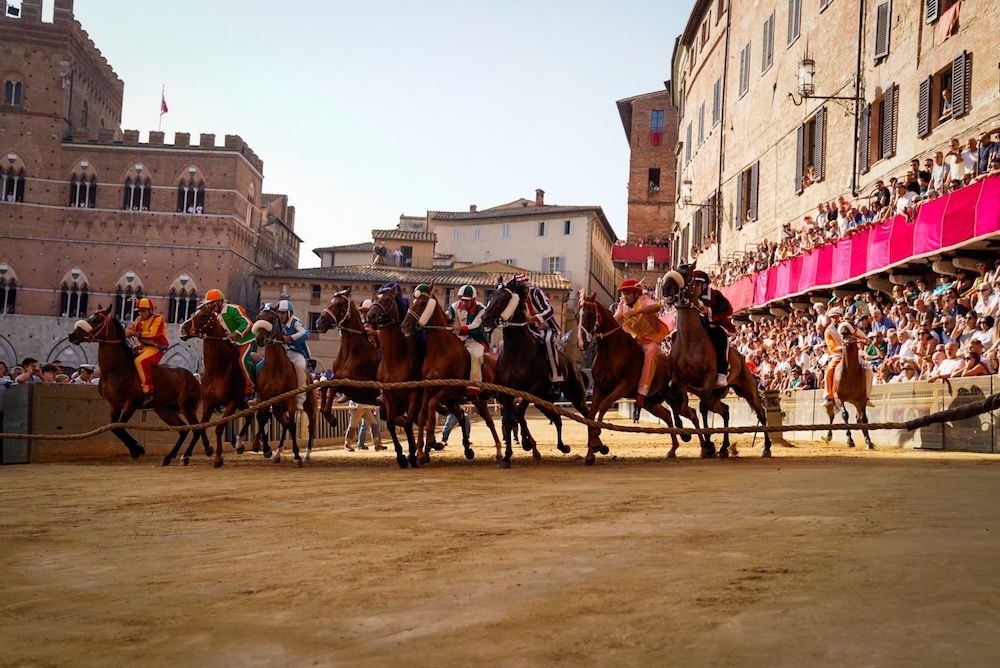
(106, 311)
(430, 288)
(347, 292)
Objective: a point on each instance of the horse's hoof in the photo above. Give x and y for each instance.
(308, 456)
(563, 448)
(276, 458)
(870, 447)
(850, 444)
(707, 454)
(603, 449)
(536, 455)
(686, 438)
(827, 438)
(438, 446)
(414, 462)
(217, 463)
(401, 460)
(766, 453)
(470, 454)
(504, 464)
(526, 446)
(136, 452)
(209, 451)
(723, 454)
(298, 463)
(166, 461)
(671, 455)
(589, 461)
(185, 461)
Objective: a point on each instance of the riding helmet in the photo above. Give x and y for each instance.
(700, 276)
(145, 302)
(286, 305)
(467, 292)
(215, 295)
(366, 304)
(630, 285)
(421, 289)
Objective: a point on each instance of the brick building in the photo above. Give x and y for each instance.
(845, 93)
(650, 123)
(90, 215)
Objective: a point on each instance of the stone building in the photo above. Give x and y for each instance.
(90, 215)
(787, 104)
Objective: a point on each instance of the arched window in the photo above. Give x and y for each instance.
(12, 178)
(12, 93)
(191, 196)
(84, 112)
(8, 288)
(73, 301)
(137, 194)
(83, 191)
(250, 208)
(182, 299)
(125, 299)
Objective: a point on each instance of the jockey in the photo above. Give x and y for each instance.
(295, 335)
(366, 306)
(237, 326)
(542, 316)
(717, 311)
(467, 317)
(834, 348)
(639, 315)
(151, 330)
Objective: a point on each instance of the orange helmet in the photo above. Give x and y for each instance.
(630, 285)
(145, 302)
(215, 295)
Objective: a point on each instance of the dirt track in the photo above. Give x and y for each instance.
(819, 556)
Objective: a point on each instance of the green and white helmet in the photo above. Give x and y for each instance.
(467, 292)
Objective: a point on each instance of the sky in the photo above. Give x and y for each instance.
(363, 111)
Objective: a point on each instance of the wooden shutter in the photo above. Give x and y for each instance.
(865, 138)
(800, 140)
(932, 11)
(794, 20)
(717, 101)
(959, 85)
(882, 19)
(924, 107)
(819, 150)
(754, 177)
(545, 264)
(740, 205)
(888, 122)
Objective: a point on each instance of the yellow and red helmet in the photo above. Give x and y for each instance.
(145, 302)
(215, 295)
(630, 285)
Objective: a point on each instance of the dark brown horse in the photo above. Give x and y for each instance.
(278, 376)
(523, 365)
(402, 358)
(177, 390)
(616, 370)
(358, 358)
(222, 384)
(693, 360)
(446, 358)
(850, 386)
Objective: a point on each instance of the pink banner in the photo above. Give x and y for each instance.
(740, 294)
(966, 214)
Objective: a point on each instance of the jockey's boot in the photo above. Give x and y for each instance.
(472, 391)
(722, 380)
(250, 398)
(147, 399)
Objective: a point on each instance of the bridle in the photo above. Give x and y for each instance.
(503, 320)
(272, 336)
(421, 319)
(338, 323)
(595, 334)
(382, 318)
(201, 331)
(93, 335)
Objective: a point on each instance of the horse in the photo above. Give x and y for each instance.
(616, 370)
(177, 390)
(277, 376)
(357, 358)
(222, 384)
(402, 358)
(850, 386)
(693, 359)
(523, 365)
(449, 359)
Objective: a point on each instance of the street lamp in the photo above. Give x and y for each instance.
(807, 88)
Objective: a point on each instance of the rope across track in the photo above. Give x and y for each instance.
(968, 411)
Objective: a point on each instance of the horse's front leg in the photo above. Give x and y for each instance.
(598, 407)
(831, 411)
(847, 420)
(263, 425)
(124, 415)
(707, 446)
(557, 423)
(863, 419)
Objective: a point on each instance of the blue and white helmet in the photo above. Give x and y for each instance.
(286, 305)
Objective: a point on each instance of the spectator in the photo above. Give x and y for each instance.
(973, 367)
(30, 373)
(949, 365)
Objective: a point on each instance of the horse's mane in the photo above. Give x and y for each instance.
(120, 334)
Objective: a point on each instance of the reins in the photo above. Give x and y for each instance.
(597, 323)
(339, 323)
(105, 324)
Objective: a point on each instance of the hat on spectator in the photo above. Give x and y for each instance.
(875, 333)
(87, 367)
(836, 310)
(909, 365)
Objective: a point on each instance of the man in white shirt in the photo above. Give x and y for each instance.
(904, 198)
(951, 363)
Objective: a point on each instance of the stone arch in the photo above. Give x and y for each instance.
(67, 353)
(7, 353)
(181, 356)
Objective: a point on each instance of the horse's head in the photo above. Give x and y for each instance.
(678, 286)
(503, 304)
(267, 326)
(422, 309)
(336, 313)
(589, 319)
(386, 307)
(202, 323)
(99, 327)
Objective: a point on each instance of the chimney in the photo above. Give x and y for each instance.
(539, 197)
(472, 208)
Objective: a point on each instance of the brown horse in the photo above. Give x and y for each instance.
(222, 384)
(616, 370)
(402, 358)
(277, 376)
(850, 386)
(358, 358)
(693, 359)
(177, 390)
(523, 365)
(446, 357)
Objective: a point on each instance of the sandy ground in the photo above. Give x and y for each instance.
(817, 557)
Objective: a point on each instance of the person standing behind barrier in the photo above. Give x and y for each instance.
(295, 336)
(363, 418)
(451, 422)
(151, 330)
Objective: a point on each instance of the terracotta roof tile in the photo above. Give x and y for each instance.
(368, 274)
(403, 235)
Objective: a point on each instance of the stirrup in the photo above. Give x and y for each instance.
(147, 399)
(722, 380)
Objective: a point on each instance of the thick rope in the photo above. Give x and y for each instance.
(499, 389)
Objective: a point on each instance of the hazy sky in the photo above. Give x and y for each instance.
(362, 111)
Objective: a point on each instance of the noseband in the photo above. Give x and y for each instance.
(338, 323)
(384, 319)
(594, 334)
(93, 334)
(201, 331)
(271, 339)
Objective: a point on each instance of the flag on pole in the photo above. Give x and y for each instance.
(163, 102)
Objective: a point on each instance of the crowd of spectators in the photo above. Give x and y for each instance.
(938, 175)
(917, 332)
